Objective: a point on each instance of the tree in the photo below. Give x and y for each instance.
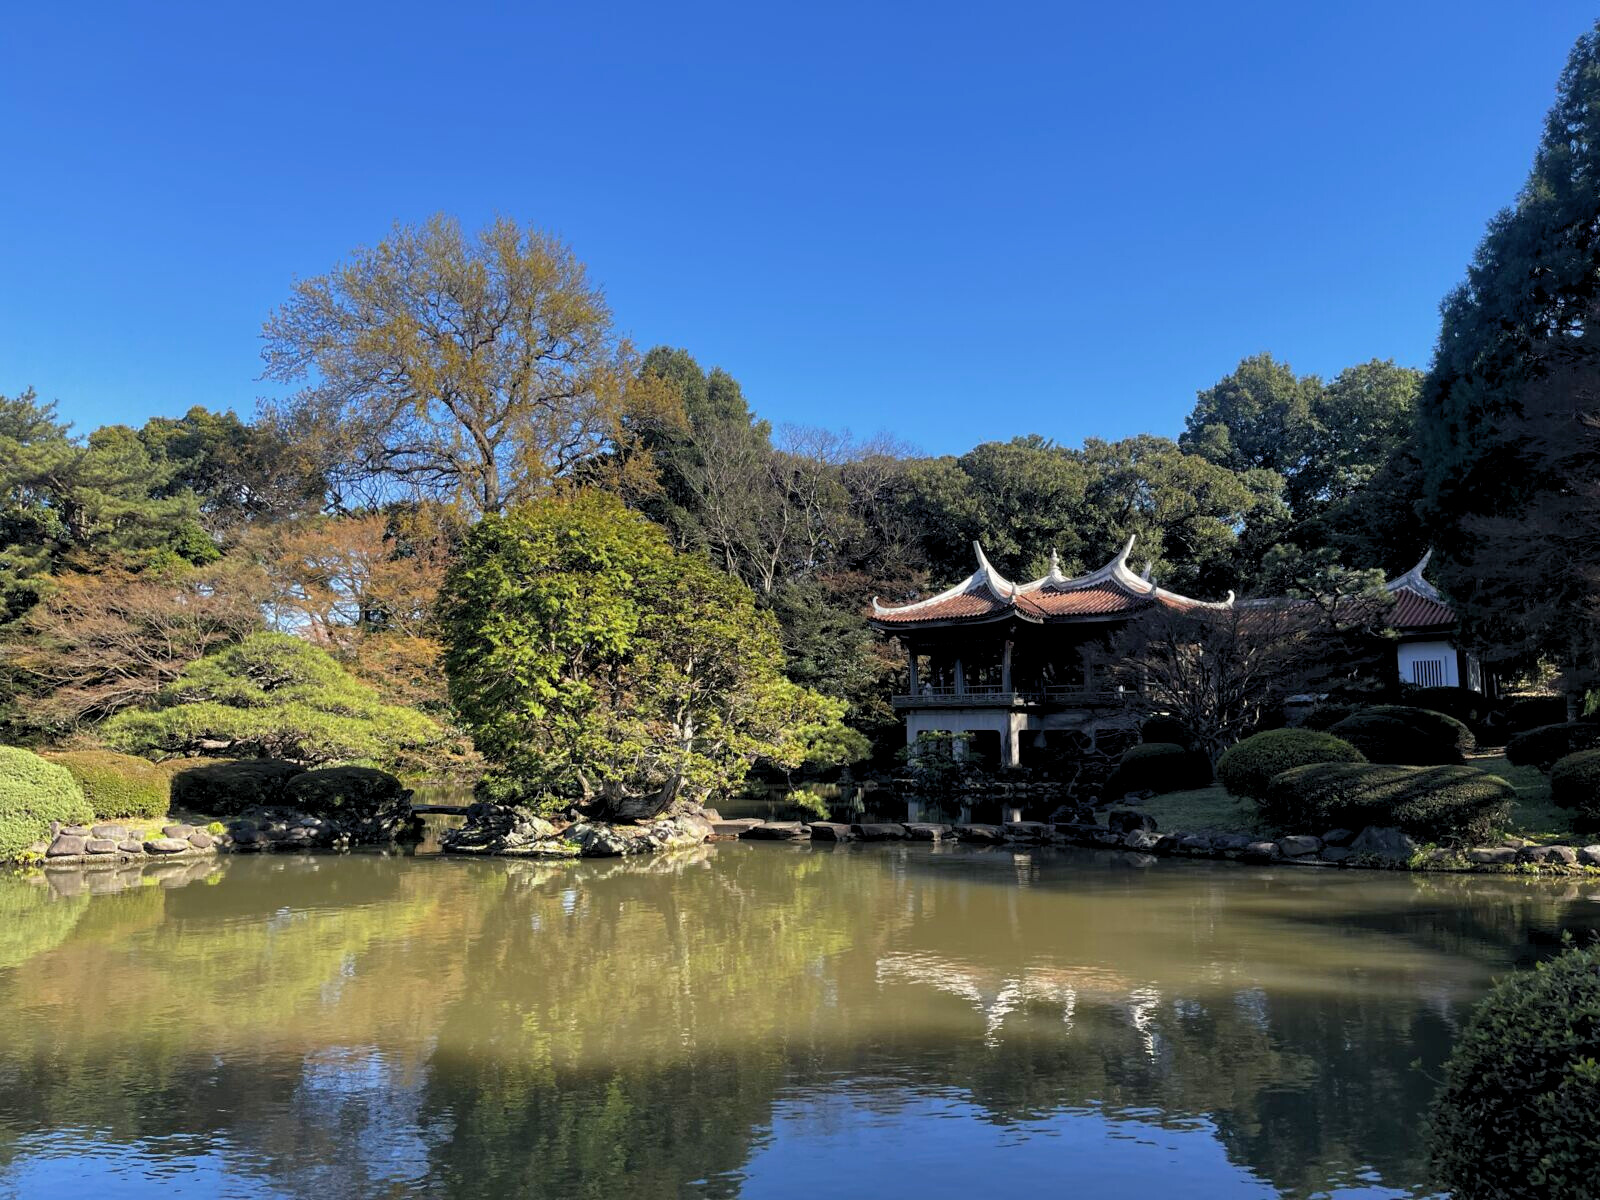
(1530, 289)
(1360, 420)
(482, 369)
(106, 495)
(240, 474)
(1259, 417)
(596, 665)
(276, 696)
(111, 637)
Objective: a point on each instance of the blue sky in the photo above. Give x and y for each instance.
(951, 222)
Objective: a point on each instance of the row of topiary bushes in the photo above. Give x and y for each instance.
(1390, 765)
(78, 787)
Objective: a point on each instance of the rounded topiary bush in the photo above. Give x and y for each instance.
(1398, 733)
(1158, 767)
(1248, 768)
(1530, 712)
(1463, 704)
(225, 787)
(1438, 803)
(1162, 729)
(1519, 1113)
(357, 792)
(118, 785)
(34, 792)
(1541, 746)
(1575, 784)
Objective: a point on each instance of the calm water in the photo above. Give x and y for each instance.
(753, 1020)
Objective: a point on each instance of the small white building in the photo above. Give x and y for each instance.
(1429, 652)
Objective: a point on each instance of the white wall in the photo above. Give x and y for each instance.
(1414, 653)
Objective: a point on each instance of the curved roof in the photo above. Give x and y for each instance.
(1417, 603)
(986, 595)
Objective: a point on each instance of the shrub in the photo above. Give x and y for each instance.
(1325, 716)
(225, 787)
(1162, 729)
(1519, 1113)
(1438, 803)
(33, 793)
(1158, 767)
(1465, 705)
(118, 785)
(1575, 784)
(1530, 712)
(1397, 733)
(273, 695)
(1247, 769)
(357, 792)
(1541, 746)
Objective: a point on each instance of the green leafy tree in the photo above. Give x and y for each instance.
(596, 665)
(272, 695)
(1259, 417)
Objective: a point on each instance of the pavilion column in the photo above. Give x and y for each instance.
(961, 679)
(1005, 668)
(911, 668)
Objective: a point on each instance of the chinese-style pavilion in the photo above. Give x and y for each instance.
(1013, 664)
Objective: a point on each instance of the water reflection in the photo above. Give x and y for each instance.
(743, 1020)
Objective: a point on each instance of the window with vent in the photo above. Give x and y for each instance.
(1427, 672)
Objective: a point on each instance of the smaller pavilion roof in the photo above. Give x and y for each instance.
(986, 596)
(1417, 603)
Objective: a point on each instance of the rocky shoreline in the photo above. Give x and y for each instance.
(1134, 832)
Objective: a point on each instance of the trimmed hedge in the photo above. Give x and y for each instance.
(1398, 733)
(357, 792)
(1575, 784)
(118, 785)
(1437, 803)
(1164, 730)
(1530, 712)
(1249, 768)
(1325, 716)
(1463, 704)
(1158, 767)
(33, 793)
(225, 787)
(1519, 1113)
(1541, 746)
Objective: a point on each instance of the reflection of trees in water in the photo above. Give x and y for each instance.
(619, 1028)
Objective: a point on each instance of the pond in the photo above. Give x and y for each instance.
(748, 1020)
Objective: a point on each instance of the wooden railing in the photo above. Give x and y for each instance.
(992, 697)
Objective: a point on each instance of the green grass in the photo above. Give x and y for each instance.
(1201, 810)
(1533, 816)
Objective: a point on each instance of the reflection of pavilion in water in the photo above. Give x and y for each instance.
(997, 995)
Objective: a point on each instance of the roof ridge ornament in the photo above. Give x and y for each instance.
(998, 583)
(1415, 581)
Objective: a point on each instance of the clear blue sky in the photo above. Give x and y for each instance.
(952, 222)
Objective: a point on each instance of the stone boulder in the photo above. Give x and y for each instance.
(165, 845)
(1141, 839)
(1336, 854)
(113, 831)
(67, 845)
(1026, 831)
(1339, 837)
(1127, 820)
(831, 831)
(1231, 843)
(98, 845)
(1391, 845)
(1195, 843)
(1493, 855)
(925, 831)
(984, 835)
(1299, 845)
(778, 831)
(736, 828)
(1589, 856)
(879, 832)
(1261, 851)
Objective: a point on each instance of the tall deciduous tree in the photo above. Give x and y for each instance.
(476, 368)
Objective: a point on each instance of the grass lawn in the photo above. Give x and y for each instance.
(1200, 810)
(1533, 816)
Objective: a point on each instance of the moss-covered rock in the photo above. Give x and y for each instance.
(34, 792)
(1250, 767)
(118, 785)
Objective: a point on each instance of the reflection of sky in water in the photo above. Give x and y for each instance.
(58, 1165)
(845, 1144)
